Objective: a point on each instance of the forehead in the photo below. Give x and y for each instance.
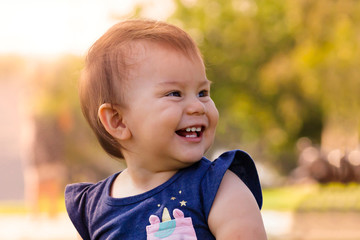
(140, 50)
(151, 65)
(155, 59)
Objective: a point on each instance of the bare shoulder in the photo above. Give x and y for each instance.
(235, 213)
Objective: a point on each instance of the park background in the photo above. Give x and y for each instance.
(286, 81)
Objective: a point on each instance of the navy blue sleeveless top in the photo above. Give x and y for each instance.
(179, 206)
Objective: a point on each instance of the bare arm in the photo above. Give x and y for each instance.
(235, 214)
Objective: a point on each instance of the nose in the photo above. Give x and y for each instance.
(195, 107)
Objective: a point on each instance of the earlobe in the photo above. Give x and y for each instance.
(112, 120)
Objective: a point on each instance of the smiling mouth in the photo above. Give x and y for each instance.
(191, 132)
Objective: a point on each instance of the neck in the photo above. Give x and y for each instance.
(135, 180)
(147, 178)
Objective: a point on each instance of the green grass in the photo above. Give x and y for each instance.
(286, 198)
(313, 198)
(13, 207)
(333, 197)
(20, 207)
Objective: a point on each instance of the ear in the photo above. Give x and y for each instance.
(112, 120)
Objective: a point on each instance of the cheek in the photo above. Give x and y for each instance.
(164, 118)
(168, 112)
(213, 114)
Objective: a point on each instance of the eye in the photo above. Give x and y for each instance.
(204, 93)
(174, 94)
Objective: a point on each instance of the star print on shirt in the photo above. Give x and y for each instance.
(173, 198)
(183, 203)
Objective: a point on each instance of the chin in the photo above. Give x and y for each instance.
(192, 157)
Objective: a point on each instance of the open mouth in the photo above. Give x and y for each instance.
(191, 132)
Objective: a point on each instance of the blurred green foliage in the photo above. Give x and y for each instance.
(54, 101)
(281, 69)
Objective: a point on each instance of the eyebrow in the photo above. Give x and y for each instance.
(204, 82)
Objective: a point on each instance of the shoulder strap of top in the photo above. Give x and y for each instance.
(75, 201)
(238, 162)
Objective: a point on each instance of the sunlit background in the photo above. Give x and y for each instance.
(286, 82)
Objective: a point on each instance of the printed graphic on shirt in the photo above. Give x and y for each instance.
(178, 228)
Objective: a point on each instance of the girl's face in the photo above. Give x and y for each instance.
(169, 112)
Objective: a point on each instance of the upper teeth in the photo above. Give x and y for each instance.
(193, 129)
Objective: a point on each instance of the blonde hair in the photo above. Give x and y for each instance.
(106, 65)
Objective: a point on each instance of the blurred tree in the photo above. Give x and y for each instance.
(56, 99)
(327, 56)
(11, 65)
(61, 148)
(281, 69)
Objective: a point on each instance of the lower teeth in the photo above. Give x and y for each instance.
(191, 136)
